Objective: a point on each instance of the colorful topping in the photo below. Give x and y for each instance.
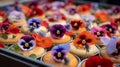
(84, 8)
(2, 45)
(27, 43)
(57, 31)
(96, 61)
(76, 24)
(115, 10)
(84, 39)
(72, 11)
(44, 42)
(110, 28)
(57, 5)
(6, 28)
(113, 46)
(98, 32)
(60, 51)
(16, 16)
(34, 23)
(36, 12)
(102, 17)
(117, 21)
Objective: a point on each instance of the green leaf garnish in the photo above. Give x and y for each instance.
(33, 56)
(15, 48)
(13, 36)
(5, 36)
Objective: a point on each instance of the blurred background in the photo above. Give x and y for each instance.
(112, 2)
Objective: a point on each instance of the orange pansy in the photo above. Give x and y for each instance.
(84, 38)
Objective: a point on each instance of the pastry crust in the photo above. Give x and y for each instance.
(65, 39)
(38, 51)
(20, 23)
(12, 40)
(78, 31)
(105, 54)
(72, 63)
(82, 52)
(62, 22)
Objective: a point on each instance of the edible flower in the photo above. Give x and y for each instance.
(27, 43)
(84, 40)
(57, 31)
(76, 24)
(98, 32)
(60, 51)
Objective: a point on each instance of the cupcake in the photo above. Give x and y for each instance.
(77, 26)
(112, 49)
(28, 46)
(17, 18)
(57, 34)
(84, 45)
(34, 25)
(59, 56)
(96, 61)
(9, 34)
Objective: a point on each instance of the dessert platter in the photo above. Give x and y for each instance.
(62, 34)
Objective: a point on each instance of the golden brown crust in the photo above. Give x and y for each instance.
(82, 52)
(61, 41)
(20, 23)
(25, 29)
(12, 40)
(78, 31)
(105, 54)
(38, 51)
(73, 60)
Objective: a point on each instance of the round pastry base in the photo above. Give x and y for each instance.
(93, 50)
(38, 51)
(65, 39)
(20, 23)
(105, 54)
(11, 40)
(47, 58)
(78, 31)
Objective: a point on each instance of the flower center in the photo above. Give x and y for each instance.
(58, 32)
(35, 12)
(34, 24)
(116, 51)
(83, 42)
(26, 45)
(75, 24)
(87, 19)
(98, 33)
(110, 29)
(59, 54)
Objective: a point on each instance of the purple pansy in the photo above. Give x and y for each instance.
(68, 26)
(34, 23)
(110, 28)
(98, 32)
(17, 6)
(27, 43)
(59, 52)
(57, 5)
(113, 45)
(117, 21)
(88, 20)
(72, 11)
(55, 17)
(115, 9)
(57, 31)
(16, 16)
(4, 27)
